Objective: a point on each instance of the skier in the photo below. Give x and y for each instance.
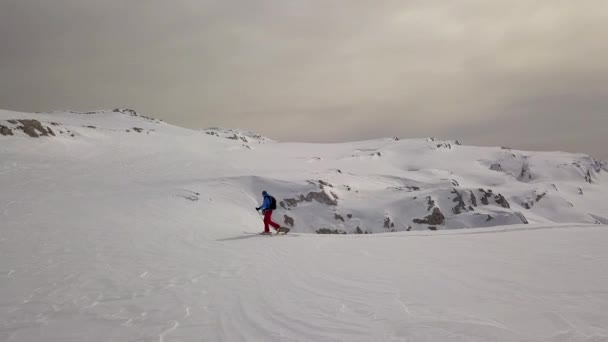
(269, 204)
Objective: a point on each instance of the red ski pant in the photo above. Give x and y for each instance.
(268, 221)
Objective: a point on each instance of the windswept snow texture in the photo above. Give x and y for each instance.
(119, 227)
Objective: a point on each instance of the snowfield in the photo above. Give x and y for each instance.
(119, 227)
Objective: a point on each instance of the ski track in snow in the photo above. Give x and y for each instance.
(102, 241)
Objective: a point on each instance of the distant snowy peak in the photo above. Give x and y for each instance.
(74, 124)
(530, 167)
(237, 135)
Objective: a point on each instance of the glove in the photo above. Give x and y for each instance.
(257, 208)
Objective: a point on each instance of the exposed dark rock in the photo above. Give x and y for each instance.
(430, 203)
(539, 197)
(329, 231)
(324, 183)
(432, 228)
(33, 128)
(321, 197)
(358, 230)
(580, 191)
(93, 127)
(460, 206)
(502, 201)
(531, 202)
(496, 167)
(436, 218)
(473, 199)
(338, 217)
(455, 182)
(588, 177)
(288, 220)
(137, 129)
(291, 202)
(5, 130)
(349, 216)
(484, 196)
(387, 222)
(490, 218)
(409, 228)
(14, 122)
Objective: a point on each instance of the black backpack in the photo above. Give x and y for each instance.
(273, 203)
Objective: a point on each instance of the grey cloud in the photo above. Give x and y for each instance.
(321, 70)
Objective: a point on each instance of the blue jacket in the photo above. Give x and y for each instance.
(266, 204)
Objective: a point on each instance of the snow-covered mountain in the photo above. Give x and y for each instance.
(383, 185)
(117, 226)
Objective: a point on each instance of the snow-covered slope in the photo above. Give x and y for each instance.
(115, 226)
(373, 186)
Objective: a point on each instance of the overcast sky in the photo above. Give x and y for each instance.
(528, 74)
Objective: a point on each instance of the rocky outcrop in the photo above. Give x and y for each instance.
(460, 205)
(322, 197)
(529, 204)
(388, 224)
(496, 167)
(502, 201)
(430, 203)
(288, 220)
(5, 130)
(446, 146)
(588, 177)
(32, 128)
(329, 231)
(436, 218)
(473, 199)
(485, 195)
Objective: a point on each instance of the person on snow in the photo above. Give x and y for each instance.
(267, 207)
